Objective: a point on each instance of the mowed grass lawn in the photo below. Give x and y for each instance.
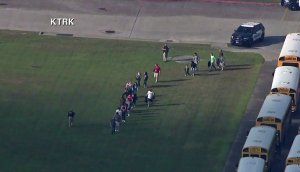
(190, 127)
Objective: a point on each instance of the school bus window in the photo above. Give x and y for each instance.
(254, 155)
(290, 64)
(245, 155)
(271, 125)
(263, 150)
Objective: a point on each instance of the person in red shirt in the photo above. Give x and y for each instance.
(156, 72)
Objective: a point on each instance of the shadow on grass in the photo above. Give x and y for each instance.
(237, 68)
(208, 73)
(237, 65)
(170, 104)
(81, 125)
(161, 86)
(175, 80)
(145, 112)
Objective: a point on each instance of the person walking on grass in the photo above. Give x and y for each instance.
(193, 68)
(165, 50)
(118, 120)
(138, 79)
(196, 60)
(186, 70)
(212, 62)
(71, 116)
(150, 96)
(124, 111)
(145, 79)
(156, 72)
(113, 125)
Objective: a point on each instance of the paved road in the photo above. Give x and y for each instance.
(206, 21)
(179, 21)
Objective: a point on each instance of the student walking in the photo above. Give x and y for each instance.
(71, 115)
(145, 79)
(165, 50)
(138, 79)
(196, 60)
(124, 111)
(221, 56)
(186, 70)
(150, 96)
(212, 62)
(118, 120)
(193, 68)
(156, 71)
(113, 125)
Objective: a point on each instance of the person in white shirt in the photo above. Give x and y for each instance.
(150, 96)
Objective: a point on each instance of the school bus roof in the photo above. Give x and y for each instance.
(286, 77)
(260, 136)
(275, 105)
(291, 45)
(295, 149)
(292, 168)
(251, 164)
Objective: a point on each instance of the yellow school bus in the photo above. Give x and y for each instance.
(275, 112)
(290, 52)
(251, 164)
(286, 81)
(294, 154)
(260, 143)
(292, 168)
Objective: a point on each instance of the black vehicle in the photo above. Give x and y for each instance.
(291, 4)
(248, 33)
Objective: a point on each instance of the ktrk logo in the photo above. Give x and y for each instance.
(62, 21)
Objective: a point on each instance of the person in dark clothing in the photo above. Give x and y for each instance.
(193, 68)
(71, 115)
(124, 111)
(138, 79)
(113, 125)
(145, 79)
(135, 89)
(165, 50)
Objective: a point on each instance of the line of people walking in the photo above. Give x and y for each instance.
(213, 63)
(129, 98)
(219, 62)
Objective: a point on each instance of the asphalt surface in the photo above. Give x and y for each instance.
(187, 21)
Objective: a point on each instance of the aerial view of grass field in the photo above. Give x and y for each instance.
(190, 126)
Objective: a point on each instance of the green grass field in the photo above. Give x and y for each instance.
(190, 127)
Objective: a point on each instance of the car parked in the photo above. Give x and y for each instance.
(247, 34)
